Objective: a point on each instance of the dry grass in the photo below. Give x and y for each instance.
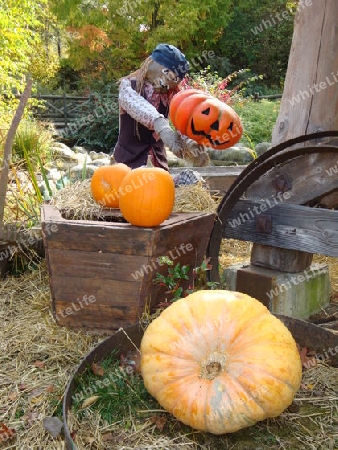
(194, 197)
(37, 359)
(76, 201)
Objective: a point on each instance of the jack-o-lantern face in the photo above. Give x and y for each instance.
(204, 118)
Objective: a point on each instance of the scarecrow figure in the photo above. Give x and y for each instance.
(144, 99)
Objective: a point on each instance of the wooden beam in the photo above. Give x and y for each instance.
(309, 177)
(312, 230)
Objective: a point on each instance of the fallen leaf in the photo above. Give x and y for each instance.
(39, 364)
(50, 388)
(159, 421)
(6, 433)
(307, 361)
(13, 396)
(97, 370)
(108, 437)
(73, 434)
(31, 417)
(89, 401)
(23, 387)
(131, 360)
(53, 425)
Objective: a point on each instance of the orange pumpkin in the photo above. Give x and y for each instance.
(147, 196)
(105, 184)
(219, 361)
(205, 119)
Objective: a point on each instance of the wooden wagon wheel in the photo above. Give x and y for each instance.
(272, 200)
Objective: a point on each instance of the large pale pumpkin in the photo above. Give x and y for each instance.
(105, 184)
(219, 361)
(147, 196)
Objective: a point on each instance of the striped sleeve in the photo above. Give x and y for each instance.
(136, 106)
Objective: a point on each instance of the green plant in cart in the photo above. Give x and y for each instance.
(178, 273)
(173, 279)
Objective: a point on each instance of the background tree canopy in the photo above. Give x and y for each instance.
(73, 45)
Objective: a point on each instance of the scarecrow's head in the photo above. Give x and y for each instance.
(167, 68)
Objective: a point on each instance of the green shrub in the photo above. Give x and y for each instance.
(258, 117)
(258, 120)
(230, 89)
(99, 128)
(32, 143)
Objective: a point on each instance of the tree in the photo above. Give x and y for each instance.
(130, 30)
(26, 47)
(259, 37)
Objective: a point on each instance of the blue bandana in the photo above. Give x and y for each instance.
(171, 58)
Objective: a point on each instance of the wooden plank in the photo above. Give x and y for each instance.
(217, 178)
(94, 238)
(193, 232)
(111, 266)
(91, 319)
(122, 238)
(211, 171)
(282, 259)
(311, 230)
(107, 292)
(331, 200)
(308, 175)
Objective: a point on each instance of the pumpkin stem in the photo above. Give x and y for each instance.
(213, 366)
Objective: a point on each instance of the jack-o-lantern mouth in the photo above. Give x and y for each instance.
(213, 126)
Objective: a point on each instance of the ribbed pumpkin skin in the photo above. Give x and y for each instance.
(178, 99)
(105, 184)
(147, 196)
(205, 119)
(261, 367)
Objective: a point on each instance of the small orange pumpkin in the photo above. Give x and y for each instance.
(219, 361)
(205, 119)
(105, 184)
(147, 196)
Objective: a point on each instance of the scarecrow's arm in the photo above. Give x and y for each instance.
(146, 114)
(136, 106)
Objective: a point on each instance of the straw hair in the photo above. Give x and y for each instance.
(140, 74)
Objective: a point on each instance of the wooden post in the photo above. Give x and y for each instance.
(310, 97)
(65, 113)
(8, 151)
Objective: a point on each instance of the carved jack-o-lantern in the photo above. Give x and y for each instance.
(204, 118)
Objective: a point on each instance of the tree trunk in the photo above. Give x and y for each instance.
(8, 151)
(310, 96)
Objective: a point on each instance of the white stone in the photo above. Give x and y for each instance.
(100, 162)
(78, 149)
(64, 152)
(53, 174)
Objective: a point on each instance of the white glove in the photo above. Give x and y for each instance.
(194, 153)
(170, 138)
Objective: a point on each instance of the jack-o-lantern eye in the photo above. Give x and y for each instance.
(205, 119)
(215, 125)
